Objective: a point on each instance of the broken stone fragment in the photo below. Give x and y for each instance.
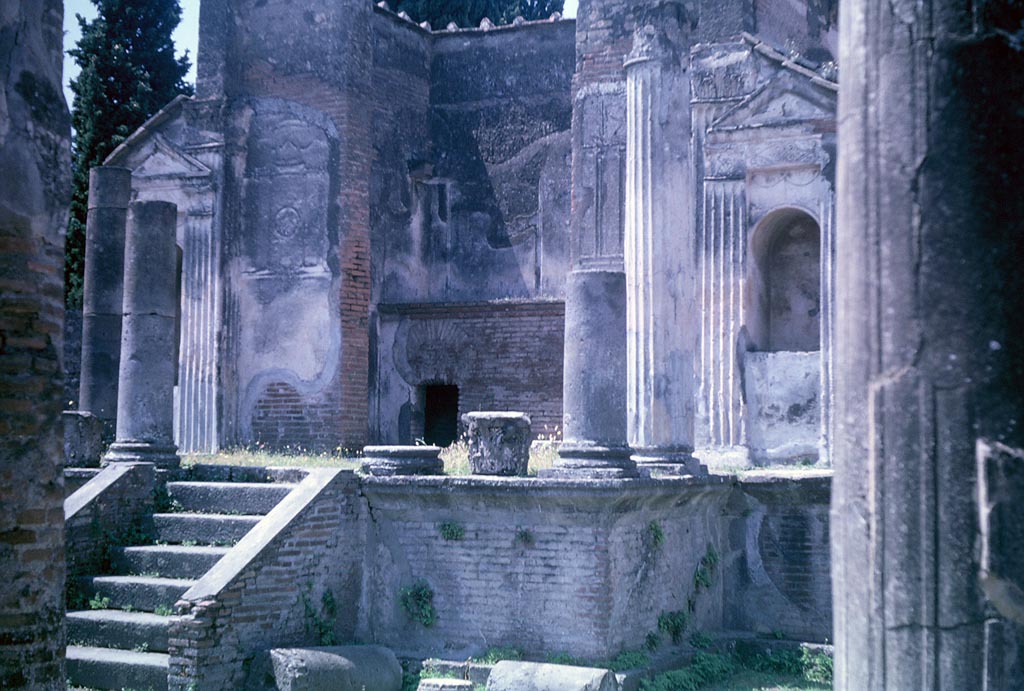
(499, 442)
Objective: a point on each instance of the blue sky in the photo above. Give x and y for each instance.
(186, 37)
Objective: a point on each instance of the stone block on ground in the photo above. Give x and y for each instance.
(83, 439)
(336, 668)
(445, 685)
(402, 460)
(536, 676)
(499, 442)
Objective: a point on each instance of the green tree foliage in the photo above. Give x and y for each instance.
(468, 13)
(129, 72)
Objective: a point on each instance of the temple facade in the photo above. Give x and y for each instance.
(378, 222)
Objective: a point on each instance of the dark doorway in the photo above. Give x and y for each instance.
(440, 414)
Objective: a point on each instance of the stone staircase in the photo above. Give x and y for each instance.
(120, 639)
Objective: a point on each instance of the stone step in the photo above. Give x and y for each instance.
(113, 628)
(141, 593)
(202, 472)
(168, 561)
(74, 478)
(203, 529)
(248, 498)
(106, 668)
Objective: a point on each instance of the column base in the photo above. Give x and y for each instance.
(402, 460)
(591, 462)
(671, 462)
(165, 457)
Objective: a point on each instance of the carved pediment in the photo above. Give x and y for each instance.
(156, 157)
(788, 99)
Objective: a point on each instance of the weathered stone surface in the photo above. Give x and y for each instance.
(929, 356)
(783, 399)
(535, 676)
(661, 280)
(110, 190)
(402, 460)
(445, 685)
(340, 668)
(594, 392)
(499, 442)
(83, 439)
(145, 405)
(35, 186)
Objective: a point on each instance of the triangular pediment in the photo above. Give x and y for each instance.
(156, 157)
(787, 99)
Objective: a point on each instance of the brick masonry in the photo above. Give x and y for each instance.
(544, 566)
(34, 152)
(278, 598)
(114, 509)
(502, 356)
(778, 557)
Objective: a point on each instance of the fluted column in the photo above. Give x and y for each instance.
(662, 321)
(928, 493)
(110, 190)
(145, 401)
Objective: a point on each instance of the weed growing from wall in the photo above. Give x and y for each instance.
(673, 624)
(524, 537)
(701, 640)
(451, 531)
(321, 623)
(495, 655)
(418, 602)
(654, 536)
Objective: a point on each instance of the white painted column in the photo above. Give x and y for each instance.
(662, 317)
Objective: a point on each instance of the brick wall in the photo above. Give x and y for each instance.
(113, 509)
(35, 160)
(542, 566)
(501, 355)
(269, 592)
(778, 562)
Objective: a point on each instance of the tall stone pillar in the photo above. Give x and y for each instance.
(660, 239)
(593, 392)
(594, 381)
(35, 188)
(928, 578)
(110, 190)
(145, 409)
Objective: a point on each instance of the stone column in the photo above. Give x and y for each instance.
(662, 321)
(593, 390)
(110, 190)
(145, 409)
(594, 380)
(35, 188)
(928, 588)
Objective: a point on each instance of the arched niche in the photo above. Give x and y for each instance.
(784, 282)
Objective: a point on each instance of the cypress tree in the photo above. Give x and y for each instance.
(128, 73)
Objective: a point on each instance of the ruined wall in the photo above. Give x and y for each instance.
(542, 566)
(776, 562)
(502, 356)
(36, 164)
(305, 75)
(499, 121)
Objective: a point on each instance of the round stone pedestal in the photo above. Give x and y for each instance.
(402, 460)
(499, 442)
